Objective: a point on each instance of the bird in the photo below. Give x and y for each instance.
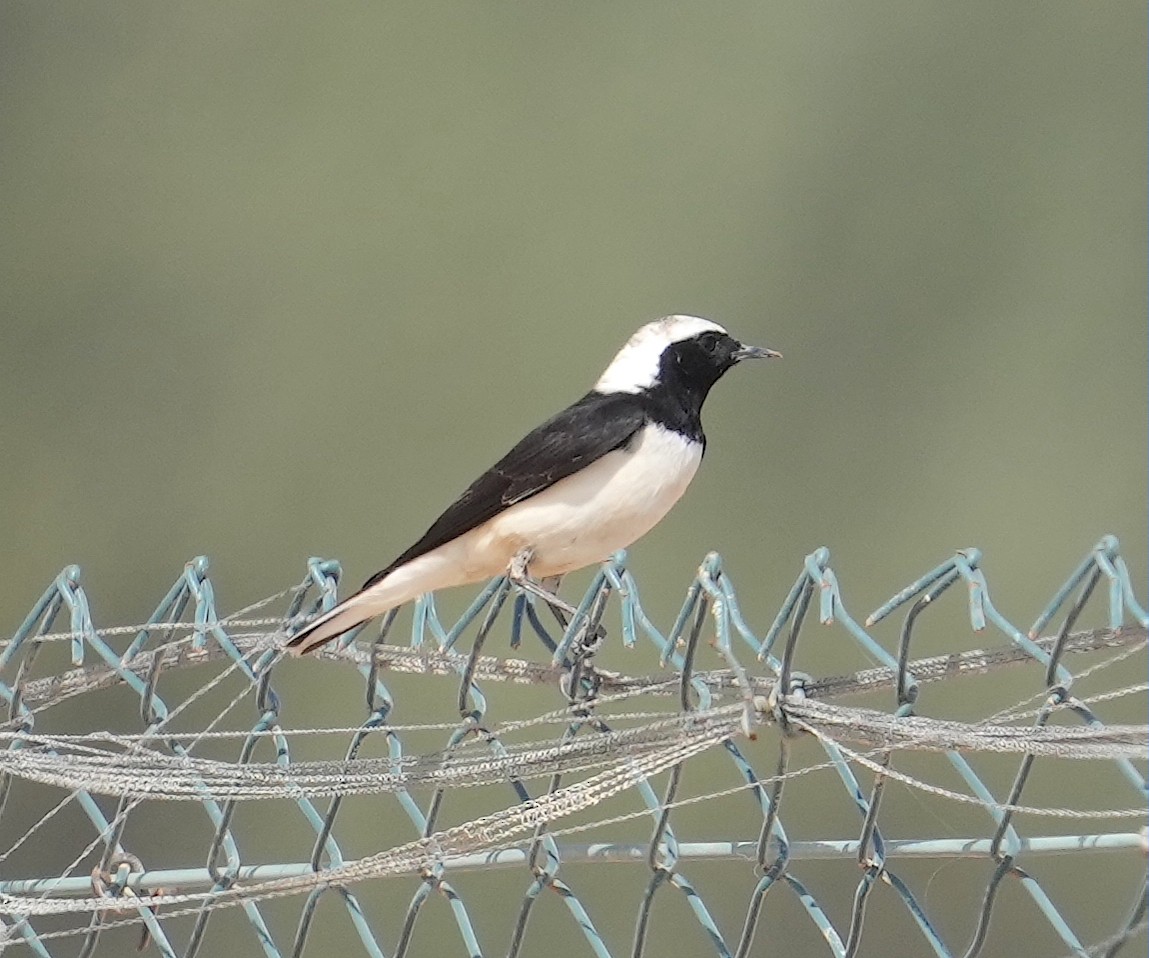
(589, 481)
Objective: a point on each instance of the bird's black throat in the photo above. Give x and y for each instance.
(686, 372)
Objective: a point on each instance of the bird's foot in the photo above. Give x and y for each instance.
(517, 572)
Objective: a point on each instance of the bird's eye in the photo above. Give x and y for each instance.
(709, 341)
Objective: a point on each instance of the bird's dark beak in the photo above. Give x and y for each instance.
(754, 352)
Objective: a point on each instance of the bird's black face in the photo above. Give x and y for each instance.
(696, 364)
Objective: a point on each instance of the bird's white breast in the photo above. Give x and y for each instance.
(584, 518)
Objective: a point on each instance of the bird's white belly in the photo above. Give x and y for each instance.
(582, 519)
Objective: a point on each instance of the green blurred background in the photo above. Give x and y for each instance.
(277, 280)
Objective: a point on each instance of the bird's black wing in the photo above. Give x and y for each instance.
(567, 442)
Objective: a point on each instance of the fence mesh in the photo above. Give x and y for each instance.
(153, 791)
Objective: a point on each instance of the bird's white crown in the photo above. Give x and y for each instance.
(635, 367)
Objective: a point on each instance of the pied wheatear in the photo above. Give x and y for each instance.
(587, 482)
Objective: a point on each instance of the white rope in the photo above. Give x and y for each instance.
(124, 765)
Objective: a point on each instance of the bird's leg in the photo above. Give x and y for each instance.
(518, 575)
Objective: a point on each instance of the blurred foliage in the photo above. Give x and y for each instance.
(278, 280)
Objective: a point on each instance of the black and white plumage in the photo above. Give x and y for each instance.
(587, 482)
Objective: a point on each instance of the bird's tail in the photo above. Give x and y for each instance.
(333, 623)
(383, 592)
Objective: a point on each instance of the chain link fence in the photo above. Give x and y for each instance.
(153, 792)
